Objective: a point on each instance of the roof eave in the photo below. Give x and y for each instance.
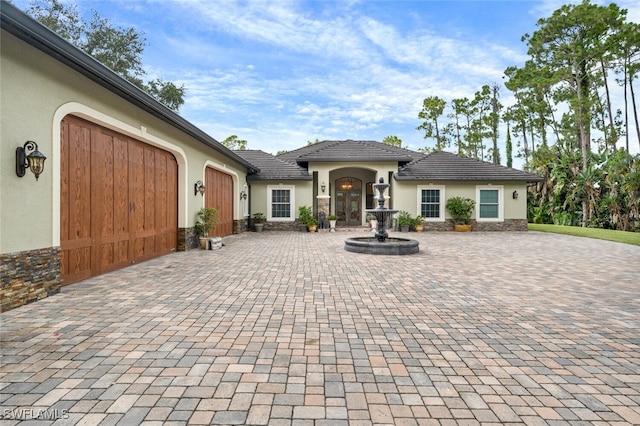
(254, 178)
(466, 179)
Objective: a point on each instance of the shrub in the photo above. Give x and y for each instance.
(460, 209)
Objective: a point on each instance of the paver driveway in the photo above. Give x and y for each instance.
(288, 328)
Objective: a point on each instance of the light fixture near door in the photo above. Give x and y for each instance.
(347, 185)
(199, 187)
(33, 161)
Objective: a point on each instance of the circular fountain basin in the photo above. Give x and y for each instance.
(391, 246)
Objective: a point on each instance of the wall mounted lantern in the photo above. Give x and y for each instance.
(198, 187)
(323, 187)
(33, 161)
(243, 195)
(515, 195)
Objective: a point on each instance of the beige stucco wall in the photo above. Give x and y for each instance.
(406, 195)
(36, 92)
(303, 195)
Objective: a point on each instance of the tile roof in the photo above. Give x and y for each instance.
(272, 168)
(442, 165)
(350, 151)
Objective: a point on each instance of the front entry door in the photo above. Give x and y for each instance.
(349, 202)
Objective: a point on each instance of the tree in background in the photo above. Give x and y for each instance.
(232, 142)
(392, 140)
(574, 56)
(120, 49)
(432, 110)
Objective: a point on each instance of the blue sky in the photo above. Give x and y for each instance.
(281, 73)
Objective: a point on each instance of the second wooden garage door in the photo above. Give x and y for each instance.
(118, 200)
(219, 195)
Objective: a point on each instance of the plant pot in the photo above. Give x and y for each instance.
(332, 224)
(312, 228)
(259, 227)
(374, 224)
(419, 228)
(303, 228)
(404, 228)
(462, 228)
(203, 242)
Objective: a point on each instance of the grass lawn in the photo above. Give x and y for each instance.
(601, 234)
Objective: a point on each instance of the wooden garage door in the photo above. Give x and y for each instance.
(219, 195)
(118, 200)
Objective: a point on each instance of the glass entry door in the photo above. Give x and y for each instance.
(349, 202)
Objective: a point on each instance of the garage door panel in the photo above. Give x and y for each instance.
(75, 265)
(111, 183)
(112, 188)
(75, 189)
(79, 183)
(219, 195)
(114, 255)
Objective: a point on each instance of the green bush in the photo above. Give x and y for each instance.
(259, 218)
(405, 219)
(207, 219)
(460, 209)
(305, 215)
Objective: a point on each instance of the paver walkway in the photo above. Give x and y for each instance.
(290, 329)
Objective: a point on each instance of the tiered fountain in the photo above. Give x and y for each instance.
(381, 243)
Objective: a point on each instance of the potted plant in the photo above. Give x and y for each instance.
(373, 222)
(259, 220)
(332, 222)
(404, 221)
(460, 209)
(418, 223)
(207, 219)
(312, 224)
(305, 214)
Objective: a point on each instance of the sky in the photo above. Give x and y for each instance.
(280, 73)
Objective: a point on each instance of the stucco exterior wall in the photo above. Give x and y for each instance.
(303, 195)
(36, 92)
(406, 195)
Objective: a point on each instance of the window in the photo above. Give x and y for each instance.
(490, 207)
(281, 202)
(430, 203)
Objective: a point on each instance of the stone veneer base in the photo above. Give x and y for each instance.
(506, 225)
(28, 276)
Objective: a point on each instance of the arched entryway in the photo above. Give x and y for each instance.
(348, 196)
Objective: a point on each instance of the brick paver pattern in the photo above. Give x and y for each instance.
(290, 329)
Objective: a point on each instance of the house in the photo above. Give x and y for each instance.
(124, 176)
(122, 173)
(336, 177)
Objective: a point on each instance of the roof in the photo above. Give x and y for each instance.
(272, 168)
(350, 151)
(42, 38)
(445, 166)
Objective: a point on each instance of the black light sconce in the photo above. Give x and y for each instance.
(243, 195)
(323, 187)
(198, 187)
(515, 195)
(34, 161)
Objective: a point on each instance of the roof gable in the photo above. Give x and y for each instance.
(445, 166)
